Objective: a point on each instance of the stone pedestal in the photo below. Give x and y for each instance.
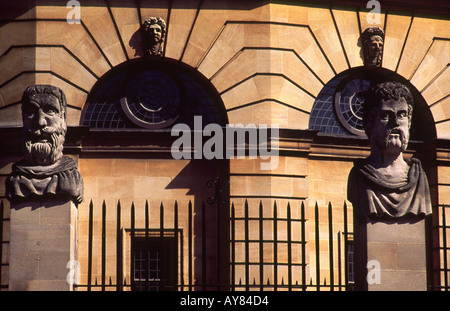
(391, 255)
(43, 241)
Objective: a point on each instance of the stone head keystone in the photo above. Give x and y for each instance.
(153, 35)
(372, 42)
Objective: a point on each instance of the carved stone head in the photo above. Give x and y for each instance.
(373, 41)
(153, 35)
(44, 124)
(387, 115)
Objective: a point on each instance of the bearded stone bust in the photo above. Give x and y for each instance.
(44, 169)
(385, 184)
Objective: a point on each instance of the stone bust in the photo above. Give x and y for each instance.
(44, 169)
(153, 35)
(385, 184)
(372, 41)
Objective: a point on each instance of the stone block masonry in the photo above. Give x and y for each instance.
(43, 242)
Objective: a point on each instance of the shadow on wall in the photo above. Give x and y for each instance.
(13, 9)
(207, 181)
(136, 43)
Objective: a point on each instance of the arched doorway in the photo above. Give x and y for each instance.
(152, 93)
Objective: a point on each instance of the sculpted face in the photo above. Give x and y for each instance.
(44, 129)
(375, 46)
(390, 131)
(154, 33)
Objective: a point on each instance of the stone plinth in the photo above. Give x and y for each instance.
(43, 241)
(392, 255)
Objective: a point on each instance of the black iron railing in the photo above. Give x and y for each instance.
(283, 236)
(4, 243)
(444, 248)
(317, 251)
(302, 283)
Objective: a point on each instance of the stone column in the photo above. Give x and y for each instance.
(43, 242)
(391, 255)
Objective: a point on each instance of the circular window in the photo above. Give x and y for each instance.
(348, 101)
(152, 99)
(153, 94)
(337, 109)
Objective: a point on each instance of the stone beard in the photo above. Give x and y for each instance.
(45, 146)
(384, 184)
(44, 169)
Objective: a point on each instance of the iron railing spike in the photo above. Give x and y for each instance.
(293, 211)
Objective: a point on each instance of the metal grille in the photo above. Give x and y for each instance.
(296, 270)
(323, 117)
(290, 268)
(146, 266)
(156, 93)
(148, 271)
(444, 247)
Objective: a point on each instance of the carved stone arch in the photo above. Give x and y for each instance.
(335, 110)
(152, 93)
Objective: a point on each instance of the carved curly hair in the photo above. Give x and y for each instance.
(372, 31)
(155, 21)
(46, 89)
(366, 40)
(384, 91)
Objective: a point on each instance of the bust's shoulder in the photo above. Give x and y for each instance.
(355, 171)
(358, 165)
